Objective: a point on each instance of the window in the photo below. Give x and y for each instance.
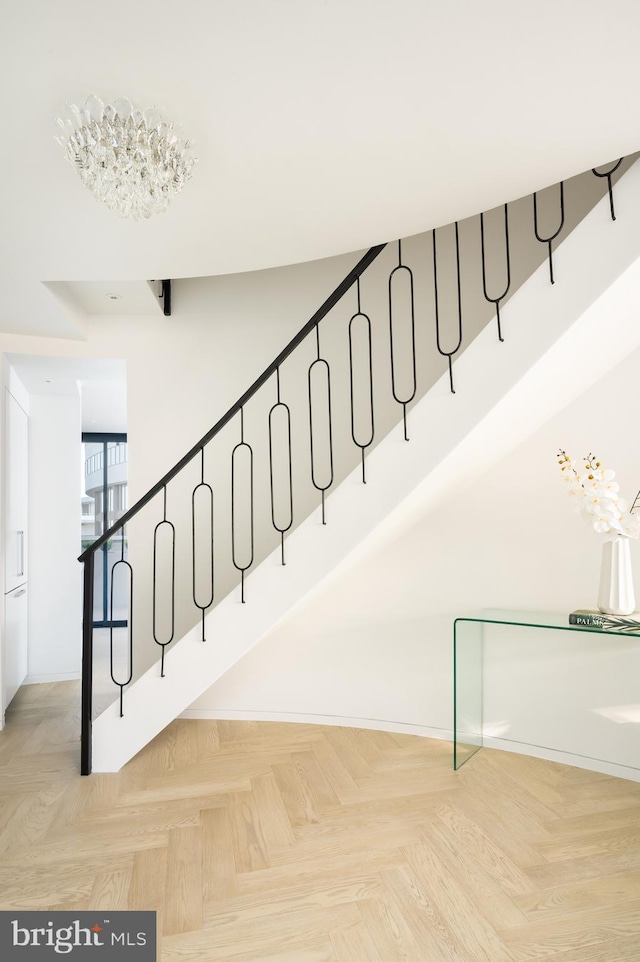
(104, 501)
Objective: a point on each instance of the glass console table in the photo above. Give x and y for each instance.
(468, 667)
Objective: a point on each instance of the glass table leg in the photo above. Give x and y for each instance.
(467, 689)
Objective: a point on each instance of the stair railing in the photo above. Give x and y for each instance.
(88, 556)
(401, 331)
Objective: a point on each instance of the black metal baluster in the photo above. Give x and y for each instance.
(608, 174)
(320, 363)
(282, 406)
(241, 444)
(87, 666)
(156, 530)
(361, 444)
(447, 354)
(407, 400)
(549, 240)
(496, 300)
(121, 684)
(207, 490)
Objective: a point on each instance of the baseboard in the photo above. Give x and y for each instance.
(565, 758)
(57, 676)
(402, 728)
(375, 724)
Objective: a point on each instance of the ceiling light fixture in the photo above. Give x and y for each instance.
(132, 160)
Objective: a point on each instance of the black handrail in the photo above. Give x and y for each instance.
(322, 311)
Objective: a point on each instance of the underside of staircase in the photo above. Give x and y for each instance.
(554, 347)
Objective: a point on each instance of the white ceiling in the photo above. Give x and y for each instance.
(101, 384)
(321, 126)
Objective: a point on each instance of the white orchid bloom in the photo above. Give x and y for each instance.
(596, 496)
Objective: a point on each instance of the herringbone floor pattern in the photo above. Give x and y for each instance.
(262, 842)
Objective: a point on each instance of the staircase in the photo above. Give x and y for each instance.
(503, 391)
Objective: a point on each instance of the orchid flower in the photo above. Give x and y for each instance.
(596, 496)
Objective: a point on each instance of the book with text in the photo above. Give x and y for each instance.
(588, 618)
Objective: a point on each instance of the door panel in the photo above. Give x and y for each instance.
(15, 626)
(16, 504)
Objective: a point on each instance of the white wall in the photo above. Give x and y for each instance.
(54, 538)
(375, 647)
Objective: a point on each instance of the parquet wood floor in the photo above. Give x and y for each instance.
(264, 842)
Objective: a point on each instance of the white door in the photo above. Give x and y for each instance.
(15, 554)
(15, 641)
(16, 494)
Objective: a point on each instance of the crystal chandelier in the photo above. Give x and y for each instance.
(132, 160)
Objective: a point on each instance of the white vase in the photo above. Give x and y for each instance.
(615, 595)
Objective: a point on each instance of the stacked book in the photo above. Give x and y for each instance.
(596, 619)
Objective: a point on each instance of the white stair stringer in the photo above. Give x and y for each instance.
(558, 340)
